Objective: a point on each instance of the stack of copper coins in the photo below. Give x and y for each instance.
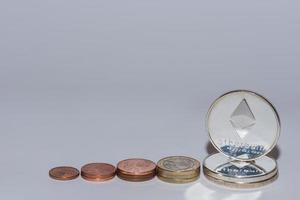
(178, 169)
(98, 172)
(136, 169)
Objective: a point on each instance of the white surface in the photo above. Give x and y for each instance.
(87, 81)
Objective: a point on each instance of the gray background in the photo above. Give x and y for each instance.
(86, 81)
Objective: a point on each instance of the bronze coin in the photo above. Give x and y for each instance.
(136, 178)
(98, 171)
(64, 173)
(136, 169)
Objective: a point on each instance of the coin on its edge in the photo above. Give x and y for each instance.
(136, 169)
(178, 169)
(243, 125)
(63, 173)
(98, 172)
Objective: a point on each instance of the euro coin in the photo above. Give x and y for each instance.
(178, 169)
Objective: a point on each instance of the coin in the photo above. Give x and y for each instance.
(178, 180)
(98, 172)
(136, 169)
(243, 125)
(178, 169)
(240, 174)
(64, 173)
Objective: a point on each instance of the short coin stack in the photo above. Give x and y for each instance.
(98, 172)
(178, 169)
(136, 169)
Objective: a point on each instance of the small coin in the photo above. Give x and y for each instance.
(64, 173)
(98, 171)
(136, 169)
(178, 169)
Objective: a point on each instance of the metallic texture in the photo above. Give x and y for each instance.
(136, 169)
(98, 172)
(64, 173)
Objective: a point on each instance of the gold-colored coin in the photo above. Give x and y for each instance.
(178, 169)
(178, 180)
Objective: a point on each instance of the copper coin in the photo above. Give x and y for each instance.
(136, 169)
(64, 173)
(98, 171)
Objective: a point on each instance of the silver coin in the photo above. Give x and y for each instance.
(243, 125)
(240, 174)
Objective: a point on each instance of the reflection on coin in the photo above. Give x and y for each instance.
(240, 174)
(178, 169)
(64, 173)
(98, 171)
(243, 125)
(136, 169)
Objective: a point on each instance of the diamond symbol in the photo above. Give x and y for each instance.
(242, 119)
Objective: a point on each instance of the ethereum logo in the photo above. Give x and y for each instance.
(242, 119)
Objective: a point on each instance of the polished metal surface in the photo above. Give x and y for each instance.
(240, 174)
(243, 125)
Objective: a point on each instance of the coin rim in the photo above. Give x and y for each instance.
(136, 178)
(170, 175)
(239, 180)
(97, 179)
(259, 96)
(243, 185)
(64, 179)
(178, 180)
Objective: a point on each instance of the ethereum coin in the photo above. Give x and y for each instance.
(243, 125)
(240, 174)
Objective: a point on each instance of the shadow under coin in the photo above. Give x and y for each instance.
(275, 153)
(200, 191)
(211, 149)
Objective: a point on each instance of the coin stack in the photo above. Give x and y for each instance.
(98, 172)
(244, 126)
(136, 169)
(178, 169)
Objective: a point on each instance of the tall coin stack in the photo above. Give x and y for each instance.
(178, 169)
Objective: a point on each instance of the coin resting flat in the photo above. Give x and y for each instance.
(98, 171)
(243, 125)
(136, 169)
(240, 174)
(178, 169)
(64, 173)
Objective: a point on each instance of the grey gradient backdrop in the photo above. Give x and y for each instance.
(86, 81)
